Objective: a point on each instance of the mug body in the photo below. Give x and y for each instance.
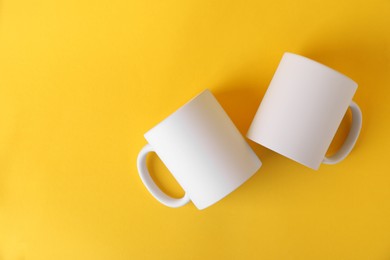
(302, 109)
(203, 150)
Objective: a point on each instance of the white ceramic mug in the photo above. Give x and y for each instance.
(302, 110)
(203, 150)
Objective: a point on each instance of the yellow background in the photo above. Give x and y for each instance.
(82, 81)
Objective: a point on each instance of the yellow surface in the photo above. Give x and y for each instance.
(82, 81)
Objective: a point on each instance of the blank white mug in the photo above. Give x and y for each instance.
(302, 110)
(203, 150)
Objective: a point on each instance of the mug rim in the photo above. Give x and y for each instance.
(178, 110)
(320, 64)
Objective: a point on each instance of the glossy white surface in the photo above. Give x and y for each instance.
(204, 151)
(302, 110)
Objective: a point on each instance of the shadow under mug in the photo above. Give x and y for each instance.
(302, 110)
(204, 151)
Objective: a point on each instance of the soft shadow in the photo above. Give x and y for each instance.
(241, 104)
(366, 61)
(363, 61)
(241, 98)
(341, 134)
(162, 177)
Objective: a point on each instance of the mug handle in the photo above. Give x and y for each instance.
(151, 185)
(350, 141)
